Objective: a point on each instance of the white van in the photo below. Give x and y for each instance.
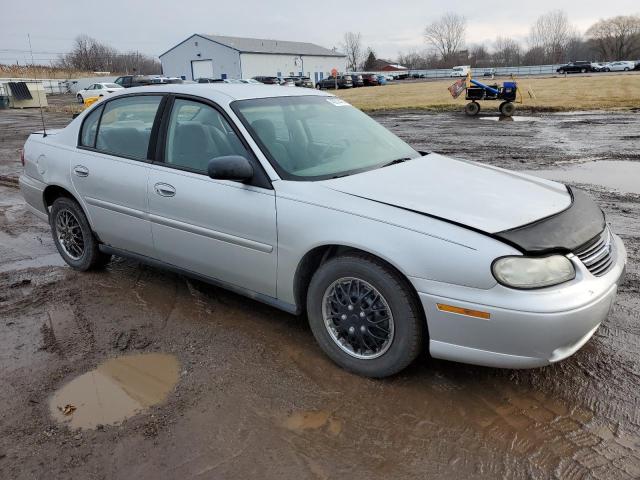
(460, 71)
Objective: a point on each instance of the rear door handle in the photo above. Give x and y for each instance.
(81, 171)
(165, 190)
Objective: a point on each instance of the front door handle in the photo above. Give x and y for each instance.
(165, 190)
(81, 171)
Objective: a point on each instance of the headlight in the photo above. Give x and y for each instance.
(533, 272)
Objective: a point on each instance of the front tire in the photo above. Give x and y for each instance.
(80, 99)
(73, 237)
(507, 109)
(364, 316)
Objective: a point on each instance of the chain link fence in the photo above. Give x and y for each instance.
(500, 71)
(51, 86)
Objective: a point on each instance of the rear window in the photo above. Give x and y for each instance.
(125, 128)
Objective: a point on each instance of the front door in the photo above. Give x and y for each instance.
(110, 171)
(221, 229)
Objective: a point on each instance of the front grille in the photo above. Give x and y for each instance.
(597, 255)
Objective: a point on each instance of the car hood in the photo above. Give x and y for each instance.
(478, 196)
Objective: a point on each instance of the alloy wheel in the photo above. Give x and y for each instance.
(358, 318)
(69, 234)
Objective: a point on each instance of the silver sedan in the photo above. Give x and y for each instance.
(295, 198)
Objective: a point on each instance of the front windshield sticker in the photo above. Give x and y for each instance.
(338, 102)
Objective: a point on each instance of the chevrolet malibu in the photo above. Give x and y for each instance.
(295, 198)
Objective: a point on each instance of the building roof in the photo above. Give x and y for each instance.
(262, 45)
(394, 68)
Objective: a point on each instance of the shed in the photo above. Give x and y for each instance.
(216, 56)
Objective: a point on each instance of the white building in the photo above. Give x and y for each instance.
(214, 56)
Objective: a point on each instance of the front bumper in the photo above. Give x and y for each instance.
(525, 329)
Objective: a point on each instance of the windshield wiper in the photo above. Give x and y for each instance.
(396, 161)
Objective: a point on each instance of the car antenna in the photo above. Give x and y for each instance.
(35, 77)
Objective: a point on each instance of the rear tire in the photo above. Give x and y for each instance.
(472, 109)
(383, 331)
(80, 99)
(73, 237)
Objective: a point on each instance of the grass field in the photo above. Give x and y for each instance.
(604, 92)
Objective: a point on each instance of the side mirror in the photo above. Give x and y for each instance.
(231, 167)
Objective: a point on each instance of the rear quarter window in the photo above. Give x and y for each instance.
(90, 128)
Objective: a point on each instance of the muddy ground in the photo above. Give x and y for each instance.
(257, 398)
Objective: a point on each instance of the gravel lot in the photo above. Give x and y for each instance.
(255, 397)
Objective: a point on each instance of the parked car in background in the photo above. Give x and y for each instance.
(129, 81)
(342, 81)
(370, 80)
(298, 81)
(165, 80)
(489, 72)
(460, 71)
(357, 80)
(250, 80)
(299, 200)
(598, 67)
(218, 80)
(620, 66)
(382, 79)
(637, 67)
(97, 90)
(575, 67)
(268, 80)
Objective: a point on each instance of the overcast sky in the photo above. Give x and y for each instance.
(387, 26)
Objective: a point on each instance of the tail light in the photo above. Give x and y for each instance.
(22, 157)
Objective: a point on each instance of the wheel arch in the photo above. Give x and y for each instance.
(314, 258)
(55, 191)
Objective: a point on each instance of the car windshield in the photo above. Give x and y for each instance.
(319, 137)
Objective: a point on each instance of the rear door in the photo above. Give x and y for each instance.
(221, 229)
(111, 166)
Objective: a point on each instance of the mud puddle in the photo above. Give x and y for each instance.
(502, 118)
(117, 389)
(616, 174)
(313, 420)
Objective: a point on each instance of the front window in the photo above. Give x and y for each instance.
(318, 137)
(198, 133)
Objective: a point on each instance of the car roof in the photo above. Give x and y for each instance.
(227, 91)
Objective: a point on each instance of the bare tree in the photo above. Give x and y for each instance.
(550, 34)
(616, 38)
(352, 48)
(479, 56)
(447, 34)
(88, 54)
(506, 52)
(413, 60)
